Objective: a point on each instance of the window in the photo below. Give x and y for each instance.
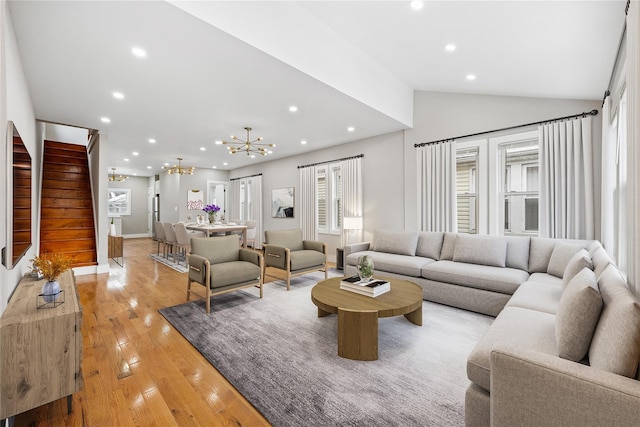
(467, 190)
(329, 198)
(520, 183)
(245, 199)
(620, 197)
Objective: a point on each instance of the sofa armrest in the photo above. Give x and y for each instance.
(251, 256)
(355, 247)
(314, 245)
(529, 388)
(276, 256)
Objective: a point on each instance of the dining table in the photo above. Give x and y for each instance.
(213, 229)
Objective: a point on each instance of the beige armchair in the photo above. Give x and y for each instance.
(221, 266)
(285, 250)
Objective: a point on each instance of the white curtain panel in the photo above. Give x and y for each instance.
(308, 203)
(255, 192)
(566, 180)
(352, 196)
(633, 144)
(437, 209)
(609, 144)
(234, 199)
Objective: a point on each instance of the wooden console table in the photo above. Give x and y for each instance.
(115, 250)
(40, 349)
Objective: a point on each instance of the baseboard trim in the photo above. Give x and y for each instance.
(135, 236)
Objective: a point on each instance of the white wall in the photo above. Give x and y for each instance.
(138, 222)
(15, 97)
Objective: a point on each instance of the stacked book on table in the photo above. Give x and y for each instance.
(372, 288)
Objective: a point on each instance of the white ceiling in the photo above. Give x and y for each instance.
(215, 67)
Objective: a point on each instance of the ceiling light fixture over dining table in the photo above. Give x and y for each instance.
(248, 146)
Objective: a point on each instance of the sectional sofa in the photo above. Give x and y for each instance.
(564, 348)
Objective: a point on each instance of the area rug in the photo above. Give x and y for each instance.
(170, 263)
(283, 359)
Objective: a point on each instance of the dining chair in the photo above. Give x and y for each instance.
(183, 240)
(170, 239)
(160, 238)
(251, 232)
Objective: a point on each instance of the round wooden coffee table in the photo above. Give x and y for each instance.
(358, 314)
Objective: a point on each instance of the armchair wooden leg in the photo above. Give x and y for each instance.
(208, 304)
(288, 280)
(325, 272)
(188, 288)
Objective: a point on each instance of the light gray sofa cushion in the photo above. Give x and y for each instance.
(545, 277)
(593, 247)
(516, 326)
(601, 260)
(518, 252)
(496, 279)
(219, 250)
(539, 296)
(577, 315)
(615, 346)
(429, 244)
(234, 272)
(579, 261)
(560, 257)
(540, 253)
(396, 242)
(483, 250)
(448, 245)
(392, 263)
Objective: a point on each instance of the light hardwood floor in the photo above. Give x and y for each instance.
(138, 370)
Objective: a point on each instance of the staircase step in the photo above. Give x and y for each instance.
(67, 222)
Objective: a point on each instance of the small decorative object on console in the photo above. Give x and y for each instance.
(51, 265)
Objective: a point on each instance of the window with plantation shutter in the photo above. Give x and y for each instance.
(329, 198)
(321, 192)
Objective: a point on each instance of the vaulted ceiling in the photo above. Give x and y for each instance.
(212, 68)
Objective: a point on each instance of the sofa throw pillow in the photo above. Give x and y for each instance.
(575, 265)
(396, 242)
(429, 244)
(518, 252)
(485, 250)
(601, 260)
(616, 341)
(540, 253)
(577, 315)
(593, 247)
(448, 245)
(560, 257)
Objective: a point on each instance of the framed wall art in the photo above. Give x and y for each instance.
(282, 202)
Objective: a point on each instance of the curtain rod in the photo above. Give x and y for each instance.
(243, 177)
(331, 161)
(573, 116)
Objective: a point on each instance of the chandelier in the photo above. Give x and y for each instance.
(248, 146)
(119, 178)
(179, 169)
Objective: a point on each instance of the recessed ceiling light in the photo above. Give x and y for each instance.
(135, 174)
(270, 151)
(471, 77)
(149, 167)
(166, 164)
(203, 149)
(225, 163)
(351, 129)
(417, 5)
(253, 156)
(118, 95)
(135, 153)
(105, 119)
(293, 108)
(214, 167)
(218, 142)
(139, 52)
(450, 47)
(152, 140)
(126, 160)
(303, 142)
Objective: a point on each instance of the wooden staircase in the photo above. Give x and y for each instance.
(66, 214)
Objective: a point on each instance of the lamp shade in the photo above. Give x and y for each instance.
(353, 223)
